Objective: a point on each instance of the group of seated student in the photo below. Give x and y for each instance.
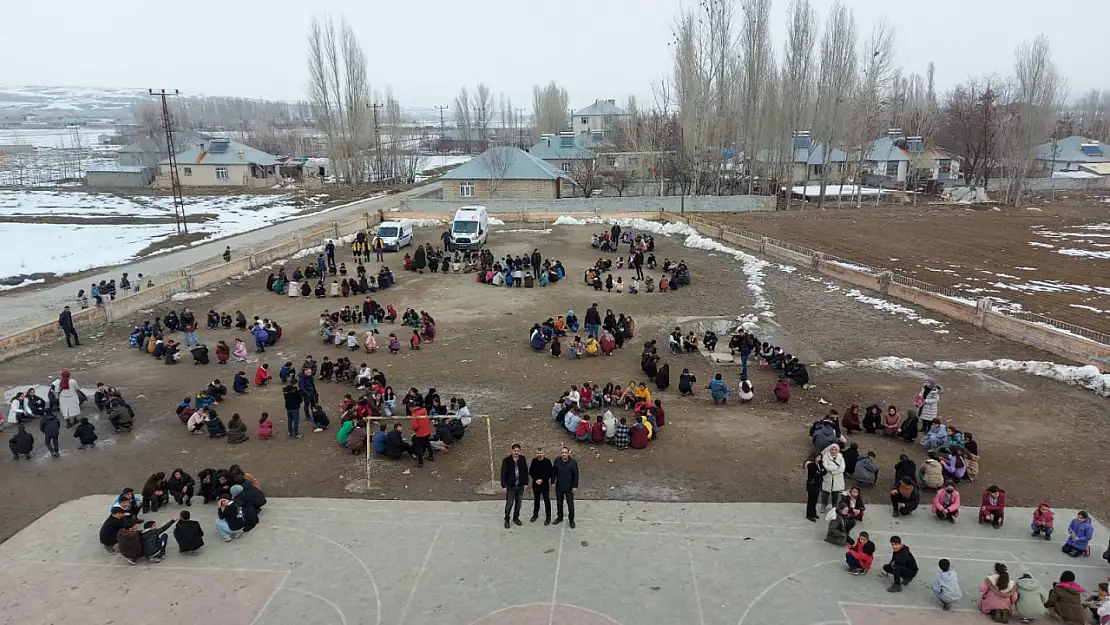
(518, 272)
(607, 428)
(214, 320)
(150, 339)
(29, 404)
(300, 283)
(470, 261)
(610, 242)
(955, 451)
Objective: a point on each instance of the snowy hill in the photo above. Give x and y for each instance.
(76, 101)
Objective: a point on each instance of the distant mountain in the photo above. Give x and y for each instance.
(68, 101)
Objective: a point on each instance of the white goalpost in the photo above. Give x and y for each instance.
(493, 485)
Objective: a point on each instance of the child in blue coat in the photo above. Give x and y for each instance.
(1080, 532)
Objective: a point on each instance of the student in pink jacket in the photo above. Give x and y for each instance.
(946, 504)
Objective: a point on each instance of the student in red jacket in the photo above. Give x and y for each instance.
(421, 435)
(597, 434)
(860, 555)
(584, 430)
(638, 435)
(1043, 520)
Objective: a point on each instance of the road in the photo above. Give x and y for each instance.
(47, 301)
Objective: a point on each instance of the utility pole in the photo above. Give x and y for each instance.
(442, 132)
(378, 139)
(520, 128)
(171, 152)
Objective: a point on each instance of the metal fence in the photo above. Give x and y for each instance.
(1071, 328)
(931, 288)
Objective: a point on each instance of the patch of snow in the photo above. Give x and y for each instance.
(1026, 268)
(8, 287)
(532, 230)
(1090, 308)
(1006, 275)
(891, 307)
(67, 248)
(753, 267)
(1044, 245)
(493, 221)
(1052, 286)
(316, 250)
(787, 268)
(1033, 208)
(1083, 253)
(429, 223)
(1088, 376)
(188, 295)
(567, 220)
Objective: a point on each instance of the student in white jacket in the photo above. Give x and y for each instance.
(16, 410)
(833, 481)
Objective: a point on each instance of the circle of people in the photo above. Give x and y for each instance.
(952, 458)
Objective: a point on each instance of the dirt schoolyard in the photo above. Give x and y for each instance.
(1034, 433)
(1049, 258)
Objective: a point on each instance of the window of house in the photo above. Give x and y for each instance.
(566, 166)
(585, 121)
(466, 189)
(633, 161)
(612, 162)
(608, 134)
(945, 166)
(841, 168)
(608, 120)
(892, 169)
(596, 137)
(818, 170)
(188, 171)
(221, 173)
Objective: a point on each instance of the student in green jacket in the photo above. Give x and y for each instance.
(345, 432)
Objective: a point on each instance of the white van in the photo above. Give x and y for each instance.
(470, 228)
(395, 233)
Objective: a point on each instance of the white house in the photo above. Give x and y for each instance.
(596, 125)
(895, 158)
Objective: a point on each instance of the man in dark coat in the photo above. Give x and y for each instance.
(109, 530)
(395, 443)
(22, 443)
(51, 426)
(565, 476)
(419, 259)
(593, 320)
(189, 535)
(65, 322)
(292, 396)
(537, 261)
(902, 567)
(540, 471)
(514, 479)
(130, 543)
(306, 383)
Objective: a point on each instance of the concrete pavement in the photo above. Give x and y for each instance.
(47, 302)
(353, 561)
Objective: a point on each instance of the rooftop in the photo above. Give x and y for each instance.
(505, 163)
(222, 152)
(560, 148)
(1075, 149)
(602, 107)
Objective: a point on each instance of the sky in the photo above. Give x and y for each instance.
(425, 50)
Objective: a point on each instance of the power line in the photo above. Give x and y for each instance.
(442, 131)
(520, 128)
(171, 152)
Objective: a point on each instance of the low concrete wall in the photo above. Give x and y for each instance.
(602, 205)
(1048, 339)
(849, 275)
(28, 339)
(146, 298)
(219, 273)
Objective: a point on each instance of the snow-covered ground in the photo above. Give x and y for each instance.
(65, 248)
(53, 137)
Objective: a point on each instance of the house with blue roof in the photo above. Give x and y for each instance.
(221, 162)
(1072, 154)
(596, 125)
(562, 151)
(505, 172)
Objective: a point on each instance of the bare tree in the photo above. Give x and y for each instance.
(550, 109)
(836, 79)
(1038, 93)
(757, 63)
(796, 77)
(1093, 112)
(586, 175)
(482, 105)
(497, 161)
(876, 77)
(971, 120)
(339, 92)
(464, 121)
(619, 179)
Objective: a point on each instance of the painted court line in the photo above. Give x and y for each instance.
(694, 577)
(419, 574)
(269, 599)
(763, 593)
(365, 568)
(105, 565)
(342, 616)
(558, 565)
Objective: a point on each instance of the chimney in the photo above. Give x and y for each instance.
(613, 102)
(241, 155)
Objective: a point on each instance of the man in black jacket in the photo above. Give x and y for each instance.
(514, 479)
(593, 321)
(22, 443)
(230, 519)
(540, 471)
(109, 530)
(154, 540)
(537, 261)
(565, 476)
(293, 401)
(902, 567)
(65, 322)
(189, 535)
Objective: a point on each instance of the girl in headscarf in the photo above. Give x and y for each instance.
(663, 377)
(68, 398)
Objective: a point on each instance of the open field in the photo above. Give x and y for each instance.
(1052, 259)
(705, 453)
